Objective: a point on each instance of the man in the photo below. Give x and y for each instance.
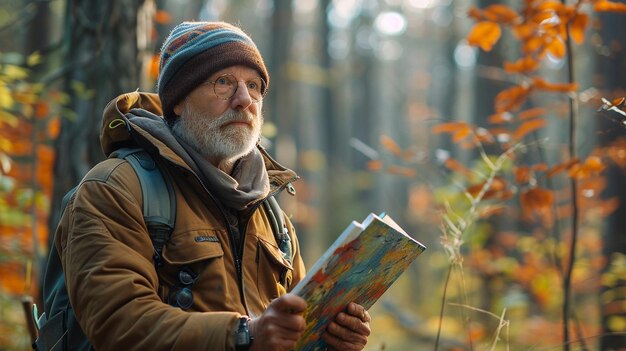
(210, 92)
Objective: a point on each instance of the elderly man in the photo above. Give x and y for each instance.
(210, 93)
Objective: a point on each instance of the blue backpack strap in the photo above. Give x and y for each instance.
(159, 199)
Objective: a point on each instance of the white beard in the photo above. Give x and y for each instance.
(219, 145)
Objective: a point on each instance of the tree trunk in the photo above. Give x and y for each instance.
(105, 51)
(613, 69)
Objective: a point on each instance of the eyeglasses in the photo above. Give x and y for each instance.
(226, 85)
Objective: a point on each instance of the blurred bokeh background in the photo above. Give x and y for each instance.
(492, 131)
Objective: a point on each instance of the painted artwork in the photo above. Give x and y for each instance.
(360, 266)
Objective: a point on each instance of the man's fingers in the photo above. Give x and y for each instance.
(340, 338)
(289, 303)
(292, 322)
(353, 324)
(359, 311)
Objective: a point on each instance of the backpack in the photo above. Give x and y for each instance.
(57, 326)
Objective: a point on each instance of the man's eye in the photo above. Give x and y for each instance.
(253, 86)
(221, 81)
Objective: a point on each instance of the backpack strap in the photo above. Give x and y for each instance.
(281, 234)
(159, 199)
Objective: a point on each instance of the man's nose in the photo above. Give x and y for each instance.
(241, 99)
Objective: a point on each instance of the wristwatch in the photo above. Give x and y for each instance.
(243, 339)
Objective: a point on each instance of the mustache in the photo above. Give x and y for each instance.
(236, 116)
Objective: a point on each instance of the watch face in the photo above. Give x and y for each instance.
(242, 337)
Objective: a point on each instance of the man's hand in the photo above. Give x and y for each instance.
(280, 326)
(349, 330)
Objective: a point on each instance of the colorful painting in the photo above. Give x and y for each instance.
(360, 266)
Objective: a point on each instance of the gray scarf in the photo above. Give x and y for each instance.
(247, 184)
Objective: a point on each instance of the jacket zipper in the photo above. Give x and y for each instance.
(258, 204)
(231, 241)
(237, 255)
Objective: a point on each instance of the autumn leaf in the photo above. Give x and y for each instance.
(458, 167)
(497, 188)
(524, 30)
(375, 165)
(42, 109)
(522, 65)
(461, 134)
(500, 118)
(537, 202)
(542, 84)
(500, 13)
(390, 144)
(485, 35)
(618, 101)
(528, 127)
(533, 44)
(450, 127)
(402, 171)
(511, 99)
(531, 113)
(550, 6)
(592, 166)
(611, 106)
(162, 17)
(33, 59)
(522, 174)
(557, 47)
(54, 128)
(609, 6)
(577, 27)
(475, 13)
(153, 69)
(562, 167)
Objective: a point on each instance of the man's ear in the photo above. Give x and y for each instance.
(178, 108)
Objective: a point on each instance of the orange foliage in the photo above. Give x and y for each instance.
(403, 171)
(537, 202)
(375, 165)
(458, 167)
(512, 98)
(561, 167)
(458, 130)
(593, 165)
(153, 69)
(531, 113)
(500, 13)
(522, 174)
(609, 6)
(389, 144)
(498, 188)
(523, 65)
(162, 17)
(485, 34)
(54, 127)
(542, 84)
(529, 127)
(577, 27)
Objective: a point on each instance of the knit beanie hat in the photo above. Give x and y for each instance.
(194, 51)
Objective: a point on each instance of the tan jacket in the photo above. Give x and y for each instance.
(107, 254)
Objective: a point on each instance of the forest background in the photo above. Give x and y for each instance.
(493, 131)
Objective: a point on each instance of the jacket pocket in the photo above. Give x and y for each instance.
(199, 252)
(190, 247)
(274, 273)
